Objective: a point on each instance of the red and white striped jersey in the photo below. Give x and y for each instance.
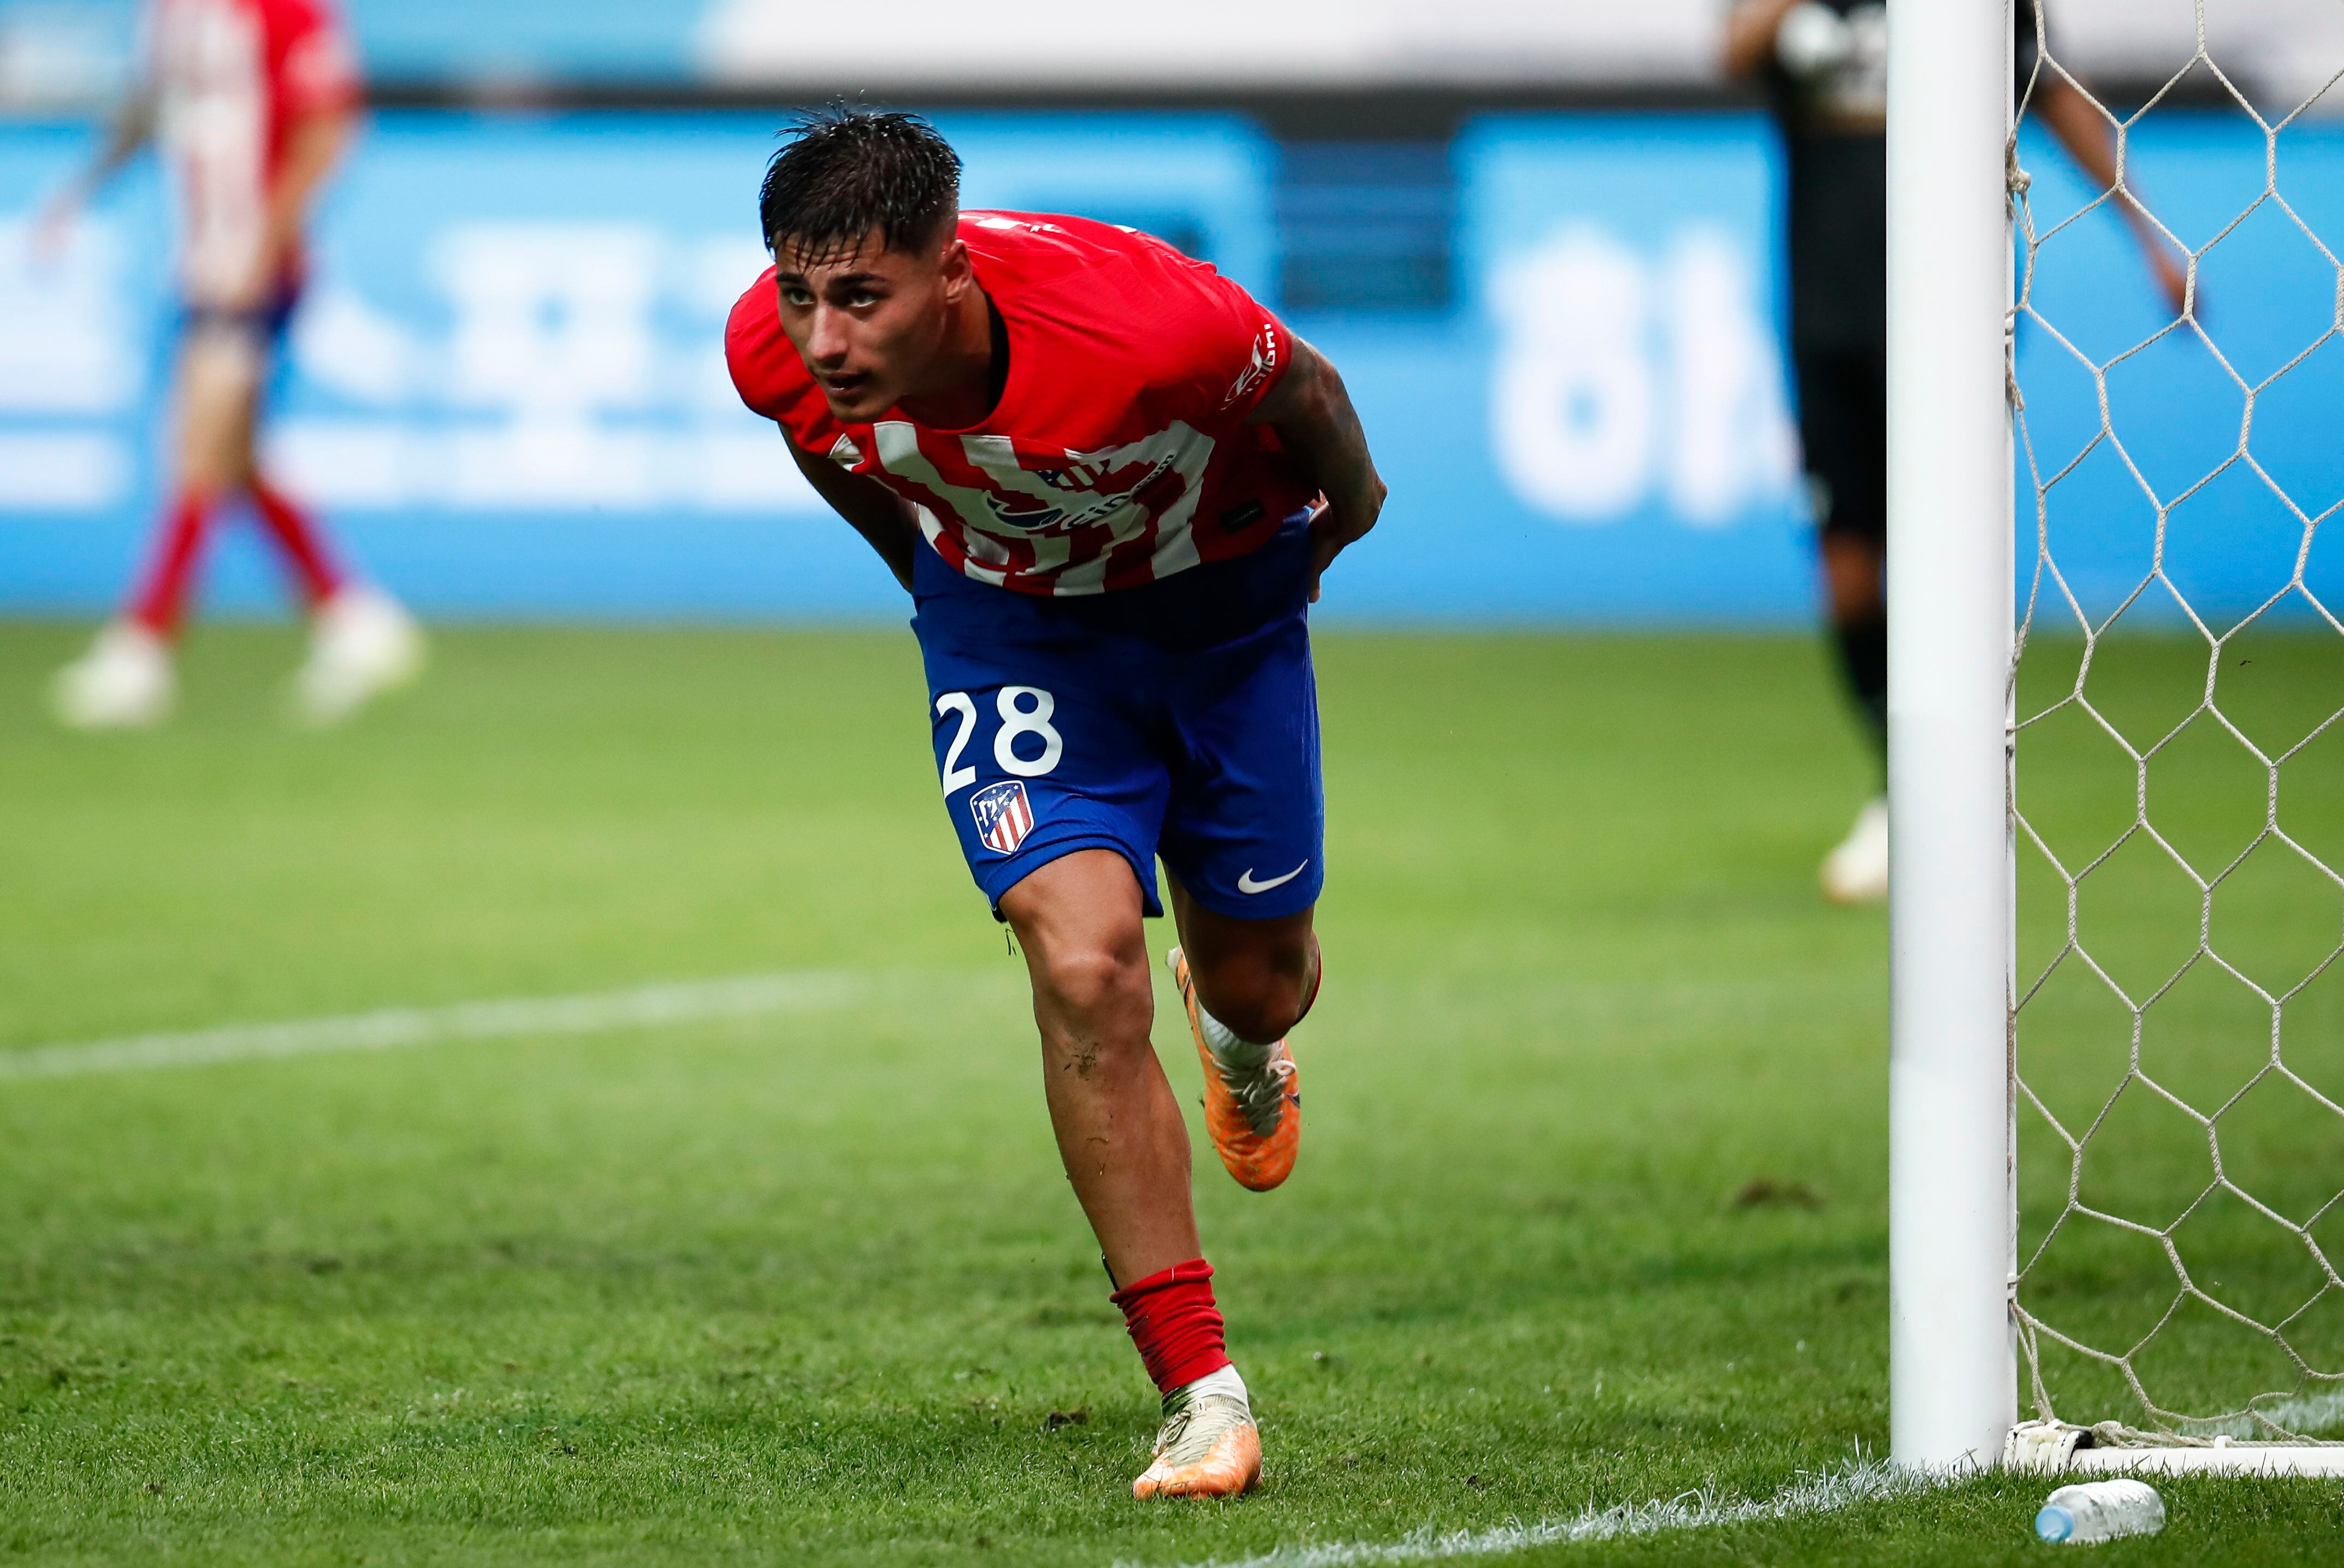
(1118, 453)
(230, 77)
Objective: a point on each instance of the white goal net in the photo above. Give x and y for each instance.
(2177, 782)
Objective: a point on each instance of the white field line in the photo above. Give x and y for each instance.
(2304, 1413)
(1808, 1496)
(601, 1012)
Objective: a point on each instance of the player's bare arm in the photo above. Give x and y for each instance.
(873, 510)
(1312, 413)
(1749, 32)
(127, 134)
(2089, 139)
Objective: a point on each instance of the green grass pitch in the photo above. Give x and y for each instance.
(1591, 1209)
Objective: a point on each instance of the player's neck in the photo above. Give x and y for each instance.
(974, 368)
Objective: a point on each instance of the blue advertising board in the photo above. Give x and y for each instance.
(2198, 489)
(506, 387)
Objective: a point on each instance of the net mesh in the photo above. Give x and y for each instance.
(2178, 780)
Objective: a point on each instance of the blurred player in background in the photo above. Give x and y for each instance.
(252, 102)
(1110, 481)
(1824, 64)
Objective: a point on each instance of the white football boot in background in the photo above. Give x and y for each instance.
(1857, 871)
(123, 682)
(361, 644)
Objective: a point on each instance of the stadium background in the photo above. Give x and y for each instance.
(1539, 240)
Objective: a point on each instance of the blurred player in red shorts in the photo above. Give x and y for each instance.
(1110, 481)
(251, 101)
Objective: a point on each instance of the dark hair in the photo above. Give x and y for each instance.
(848, 171)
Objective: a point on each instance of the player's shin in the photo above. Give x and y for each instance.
(1175, 1324)
(297, 536)
(126, 680)
(159, 602)
(1862, 640)
(1856, 870)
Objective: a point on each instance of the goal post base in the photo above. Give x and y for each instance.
(2055, 1447)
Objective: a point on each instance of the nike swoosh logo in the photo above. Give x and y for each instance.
(1246, 884)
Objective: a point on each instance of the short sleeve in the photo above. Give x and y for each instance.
(1231, 351)
(749, 342)
(767, 372)
(318, 72)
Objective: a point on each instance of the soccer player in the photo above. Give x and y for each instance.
(1110, 481)
(252, 102)
(1824, 64)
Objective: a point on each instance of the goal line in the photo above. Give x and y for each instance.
(1808, 1497)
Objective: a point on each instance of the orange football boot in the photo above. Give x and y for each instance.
(1252, 1108)
(1210, 1447)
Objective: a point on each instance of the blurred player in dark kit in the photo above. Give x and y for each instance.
(1110, 481)
(1824, 64)
(252, 102)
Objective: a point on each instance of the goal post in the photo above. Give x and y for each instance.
(2156, 1067)
(1953, 1366)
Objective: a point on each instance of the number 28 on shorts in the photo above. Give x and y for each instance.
(1026, 746)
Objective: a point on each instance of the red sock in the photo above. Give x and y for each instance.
(162, 595)
(1173, 1321)
(304, 546)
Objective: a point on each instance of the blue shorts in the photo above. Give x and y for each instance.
(1178, 719)
(265, 325)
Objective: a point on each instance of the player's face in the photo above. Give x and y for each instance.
(873, 324)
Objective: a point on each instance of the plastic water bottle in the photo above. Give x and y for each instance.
(2101, 1510)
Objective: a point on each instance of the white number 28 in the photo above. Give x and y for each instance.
(1024, 710)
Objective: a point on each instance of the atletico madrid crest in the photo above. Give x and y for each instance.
(1003, 816)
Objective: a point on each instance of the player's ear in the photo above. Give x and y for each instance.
(959, 275)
